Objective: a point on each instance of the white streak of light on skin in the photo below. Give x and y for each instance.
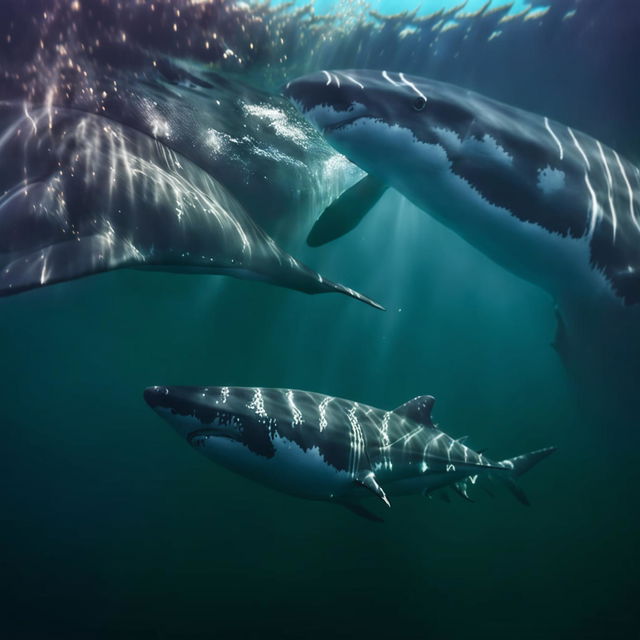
(554, 136)
(595, 206)
(328, 75)
(352, 79)
(296, 414)
(388, 78)
(629, 190)
(322, 409)
(413, 86)
(31, 120)
(614, 218)
(579, 148)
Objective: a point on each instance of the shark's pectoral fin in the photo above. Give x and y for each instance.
(345, 213)
(517, 492)
(368, 481)
(461, 489)
(359, 510)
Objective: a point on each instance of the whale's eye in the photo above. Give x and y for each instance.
(419, 103)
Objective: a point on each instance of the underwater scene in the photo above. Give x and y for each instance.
(198, 442)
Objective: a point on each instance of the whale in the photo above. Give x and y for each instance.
(82, 193)
(113, 155)
(319, 447)
(547, 202)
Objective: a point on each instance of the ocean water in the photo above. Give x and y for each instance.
(112, 527)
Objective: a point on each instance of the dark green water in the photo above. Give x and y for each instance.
(112, 527)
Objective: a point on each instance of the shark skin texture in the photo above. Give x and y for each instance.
(319, 447)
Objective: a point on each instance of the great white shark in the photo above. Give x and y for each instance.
(548, 202)
(319, 447)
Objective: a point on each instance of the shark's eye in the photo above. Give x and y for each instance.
(419, 103)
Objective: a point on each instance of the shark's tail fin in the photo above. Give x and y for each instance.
(519, 465)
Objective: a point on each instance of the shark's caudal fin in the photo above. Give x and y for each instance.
(345, 213)
(519, 465)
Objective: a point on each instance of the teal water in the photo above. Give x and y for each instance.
(117, 529)
(112, 527)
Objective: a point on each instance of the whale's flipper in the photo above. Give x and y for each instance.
(345, 213)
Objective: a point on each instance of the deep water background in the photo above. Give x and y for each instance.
(112, 527)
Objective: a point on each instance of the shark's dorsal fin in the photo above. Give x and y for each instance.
(346, 213)
(418, 410)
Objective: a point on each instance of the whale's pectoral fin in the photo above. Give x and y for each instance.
(368, 481)
(345, 213)
(359, 510)
(418, 410)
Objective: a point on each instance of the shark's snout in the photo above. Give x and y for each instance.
(327, 99)
(171, 402)
(305, 91)
(156, 396)
(198, 414)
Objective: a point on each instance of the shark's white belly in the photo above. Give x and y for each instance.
(291, 470)
(422, 173)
